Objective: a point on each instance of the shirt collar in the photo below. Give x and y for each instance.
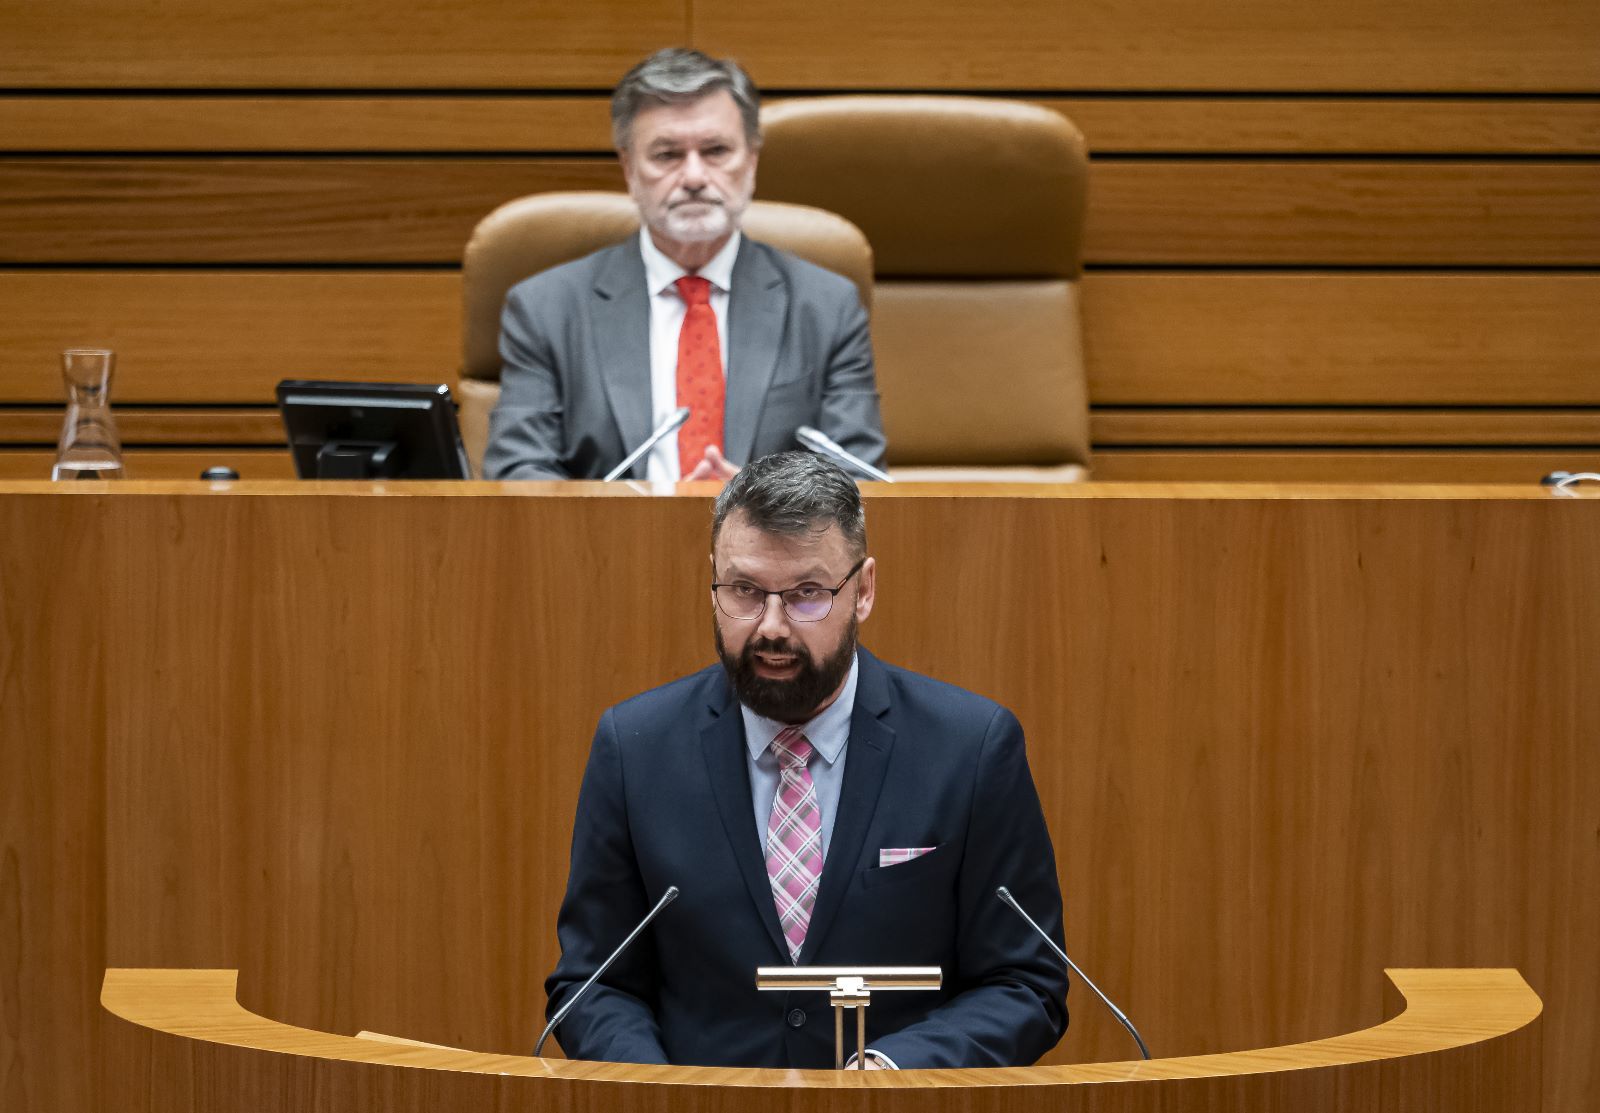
(660, 272)
(827, 731)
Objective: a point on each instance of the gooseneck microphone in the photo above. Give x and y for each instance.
(672, 424)
(666, 898)
(824, 445)
(1005, 894)
(1566, 482)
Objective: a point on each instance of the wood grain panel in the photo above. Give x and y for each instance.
(1109, 427)
(1213, 211)
(199, 123)
(1151, 338)
(1277, 426)
(355, 43)
(142, 425)
(1369, 45)
(1365, 465)
(1277, 735)
(227, 336)
(1342, 339)
(402, 210)
(1154, 124)
(522, 123)
(266, 210)
(1291, 746)
(52, 806)
(257, 463)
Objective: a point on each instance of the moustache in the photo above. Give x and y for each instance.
(769, 645)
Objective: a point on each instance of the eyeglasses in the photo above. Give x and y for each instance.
(805, 603)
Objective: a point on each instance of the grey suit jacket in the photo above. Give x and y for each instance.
(575, 379)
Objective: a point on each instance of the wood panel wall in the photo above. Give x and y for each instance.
(1326, 239)
(1284, 739)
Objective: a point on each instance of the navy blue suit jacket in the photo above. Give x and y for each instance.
(666, 801)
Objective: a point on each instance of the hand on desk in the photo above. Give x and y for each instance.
(714, 466)
(874, 1060)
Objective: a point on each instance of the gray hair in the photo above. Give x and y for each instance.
(793, 493)
(678, 76)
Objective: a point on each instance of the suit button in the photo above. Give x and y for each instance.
(796, 1018)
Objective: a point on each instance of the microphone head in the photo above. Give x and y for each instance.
(672, 890)
(1004, 894)
(679, 416)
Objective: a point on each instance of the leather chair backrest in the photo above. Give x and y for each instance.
(974, 208)
(532, 234)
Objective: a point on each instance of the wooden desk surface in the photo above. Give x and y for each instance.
(626, 489)
(1487, 1017)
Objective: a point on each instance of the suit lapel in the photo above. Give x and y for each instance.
(722, 743)
(866, 762)
(757, 302)
(621, 308)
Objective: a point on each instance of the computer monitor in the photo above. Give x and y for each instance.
(372, 430)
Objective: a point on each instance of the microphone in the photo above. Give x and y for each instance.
(672, 424)
(1005, 894)
(824, 445)
(1565, 482)
(666, 898)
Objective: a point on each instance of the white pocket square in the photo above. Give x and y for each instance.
(893, 856)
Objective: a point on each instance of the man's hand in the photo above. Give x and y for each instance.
(713, 466)
(870, 1061)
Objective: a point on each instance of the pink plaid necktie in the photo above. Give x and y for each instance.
(794, 838)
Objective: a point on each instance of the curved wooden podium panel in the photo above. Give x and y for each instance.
(1463, 1040)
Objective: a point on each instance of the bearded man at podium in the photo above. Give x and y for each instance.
(814, 805)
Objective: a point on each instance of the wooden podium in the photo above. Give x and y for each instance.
(332, 735)
(1466, 1041)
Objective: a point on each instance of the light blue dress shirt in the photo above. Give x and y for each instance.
(828, 733)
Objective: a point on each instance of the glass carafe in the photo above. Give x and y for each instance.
(90, 447)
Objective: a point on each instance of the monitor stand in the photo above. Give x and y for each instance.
(357, 460)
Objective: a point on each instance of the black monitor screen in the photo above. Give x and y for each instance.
(372, 430)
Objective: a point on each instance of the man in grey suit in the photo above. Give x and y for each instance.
(600, 351)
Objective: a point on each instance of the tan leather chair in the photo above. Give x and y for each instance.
(531, 234)
(974, 208)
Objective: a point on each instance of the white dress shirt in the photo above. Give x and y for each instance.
(666, 322)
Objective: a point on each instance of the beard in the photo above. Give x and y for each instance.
(716, 215)
(701, 223)
(787, 701)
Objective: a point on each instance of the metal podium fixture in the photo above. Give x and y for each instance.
(849, 987)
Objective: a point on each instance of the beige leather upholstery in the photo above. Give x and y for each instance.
(974, 208)
(533, 234)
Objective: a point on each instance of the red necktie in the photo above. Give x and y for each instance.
(700, 385)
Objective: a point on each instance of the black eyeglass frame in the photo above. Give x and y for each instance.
(833, 595)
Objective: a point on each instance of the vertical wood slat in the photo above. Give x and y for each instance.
(53, 671)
